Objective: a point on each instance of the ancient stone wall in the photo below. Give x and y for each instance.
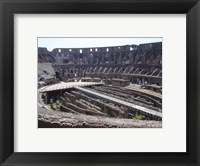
(138, 64)
(150, 54)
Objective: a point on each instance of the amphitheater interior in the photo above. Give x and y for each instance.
(118, 86)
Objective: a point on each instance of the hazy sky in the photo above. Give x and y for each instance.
(51, 43)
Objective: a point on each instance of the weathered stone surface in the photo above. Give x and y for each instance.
(57, 119)
(117, 67)
(136, 63)
(126, 54)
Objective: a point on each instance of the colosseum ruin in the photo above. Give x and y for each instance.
(96, 87)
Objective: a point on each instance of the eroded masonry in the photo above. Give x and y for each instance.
(117, 86)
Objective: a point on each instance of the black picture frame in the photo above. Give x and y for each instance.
(10, 7)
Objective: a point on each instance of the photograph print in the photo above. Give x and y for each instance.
(110, 82)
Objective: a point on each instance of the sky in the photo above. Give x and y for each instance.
(51, 43)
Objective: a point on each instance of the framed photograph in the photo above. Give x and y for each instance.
(99, 83)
